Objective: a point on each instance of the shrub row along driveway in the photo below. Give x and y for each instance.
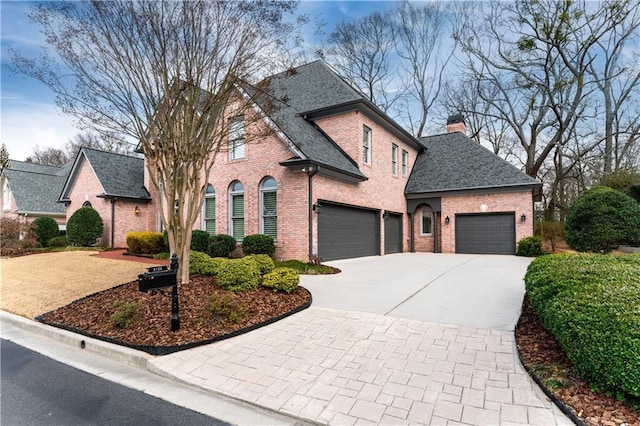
(35, 284)
(481, 291)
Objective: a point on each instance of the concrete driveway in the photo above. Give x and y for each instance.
(483, 291)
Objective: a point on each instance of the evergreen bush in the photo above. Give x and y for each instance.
(58, 242)
(84, 227)
(239, 275)
(145, 242)
(283, 279)
(45, 228)
(200, 240)
(258, 244)
(201, 263)
(221, 245)
(265, 263)
(530, 247)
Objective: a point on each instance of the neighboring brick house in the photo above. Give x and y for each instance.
(31, 191)
(112, 184)
(337, 178)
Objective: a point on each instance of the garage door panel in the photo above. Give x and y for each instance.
(485, 233)
(393, 234)
(346, 232)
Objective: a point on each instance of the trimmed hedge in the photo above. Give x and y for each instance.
(45, 228)
(221, 245)
(199, 240)
(284, 279)
(258, 244)
(84, 227)
(265, 263)
(239, 275)
(530, 247)
(201, 263)
(58, 242)
(602, 219)
(591, 304)
(145, 242)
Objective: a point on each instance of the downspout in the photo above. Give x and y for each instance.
(436, 231)
(412, 243)
(113, 220)
(311, 174)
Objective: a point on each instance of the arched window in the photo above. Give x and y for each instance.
(87, 204)
(209, 210)
(426, 221)
(269, 207)
(236, 210)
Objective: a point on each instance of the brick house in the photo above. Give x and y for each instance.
(337, 178)
(331, 177)
(112, 184)
(31, 191)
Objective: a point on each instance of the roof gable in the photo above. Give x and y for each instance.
(454, 162)
(35, 192)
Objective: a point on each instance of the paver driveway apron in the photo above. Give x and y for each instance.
(483, 291)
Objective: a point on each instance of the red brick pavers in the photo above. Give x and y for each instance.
(119, 254)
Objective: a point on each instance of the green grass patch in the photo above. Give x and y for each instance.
(306, 268)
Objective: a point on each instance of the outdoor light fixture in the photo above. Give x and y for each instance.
(446, 220)
(136, 210)
(385, 215)
(523, 218)
(316, 208)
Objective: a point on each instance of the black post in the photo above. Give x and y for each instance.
(175, 319)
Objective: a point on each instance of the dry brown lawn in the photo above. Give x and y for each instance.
(38, 283)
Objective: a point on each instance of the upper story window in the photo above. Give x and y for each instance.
(209, 211)
(394, 159)
(87, 204)
(236, 210)
(6, 196)
(269, 208)
(426, 221)
(366, 144)
(236, 138)
(405, 162)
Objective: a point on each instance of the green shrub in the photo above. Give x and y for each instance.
(602, 219)
(45, 228)
(225, 308)
(258, 244)
(125, 314)
(265, 263)
(58, 242)
(239, 275)
(591, 304)
(530, 247)
(145, 242)
(200, 263)
(84, 227)
(199, 240)
(15, 236)
(284, 279)
(221, 245)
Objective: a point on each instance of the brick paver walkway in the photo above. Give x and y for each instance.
(343, 367)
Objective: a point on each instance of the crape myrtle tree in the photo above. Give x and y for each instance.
(162, 73)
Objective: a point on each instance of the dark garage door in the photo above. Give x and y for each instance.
(393, 234)
(486, 233)
(345, 232)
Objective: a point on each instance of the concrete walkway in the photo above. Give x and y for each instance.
(415, 339)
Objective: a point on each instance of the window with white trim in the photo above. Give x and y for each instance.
(269, 208)
(6, 196)
(426, 221)
(394, 159)
(405, 162)
(366, 144)
(236, 210)
(209, 211)
(236, 138)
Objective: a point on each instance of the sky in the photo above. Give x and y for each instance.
(28, 114)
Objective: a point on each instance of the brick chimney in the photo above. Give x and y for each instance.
(455, 123)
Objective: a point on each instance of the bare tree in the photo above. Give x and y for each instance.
(50, 156)
(163, 73)
(362, 53)
(5, 163)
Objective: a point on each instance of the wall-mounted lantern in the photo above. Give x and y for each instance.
(385, 215)
(446, 220)
(316, 208)
(136, 210)
(523, 218)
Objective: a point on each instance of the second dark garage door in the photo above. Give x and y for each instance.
(346, 232)
(492, 233)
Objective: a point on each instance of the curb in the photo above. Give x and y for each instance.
(116, 353)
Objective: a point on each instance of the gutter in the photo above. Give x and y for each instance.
(311, 173)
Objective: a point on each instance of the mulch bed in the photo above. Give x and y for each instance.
(541, 353)
(151, 329)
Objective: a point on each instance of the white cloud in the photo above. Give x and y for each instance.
(29, 124)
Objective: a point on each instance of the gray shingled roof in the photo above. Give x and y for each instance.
(311, 87)
(454, 162)
(36, 192)
(120, 175)
(38, 168)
